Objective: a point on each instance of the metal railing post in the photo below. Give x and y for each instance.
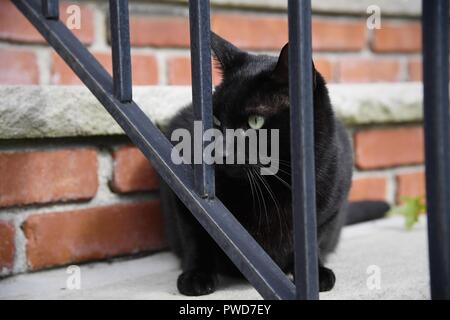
(50, 9)
(435, 23)
(200, 32)
(302, 149)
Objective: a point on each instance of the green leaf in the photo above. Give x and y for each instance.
(411, 209)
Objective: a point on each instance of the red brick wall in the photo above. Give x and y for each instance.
(74, 203)
(388, 163)
(346, 50)
(63, 203)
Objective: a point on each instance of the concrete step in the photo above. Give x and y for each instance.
(373, 253)
(72, 111)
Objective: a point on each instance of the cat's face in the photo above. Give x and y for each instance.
(254, 94)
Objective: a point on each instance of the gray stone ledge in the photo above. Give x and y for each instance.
(377, 103)
(69, 111)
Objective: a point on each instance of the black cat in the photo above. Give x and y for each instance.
(255, 91)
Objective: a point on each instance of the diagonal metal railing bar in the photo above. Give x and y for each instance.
(237, 243)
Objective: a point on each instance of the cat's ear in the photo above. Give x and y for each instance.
(281, 71)
(226, 54)
(314, 75)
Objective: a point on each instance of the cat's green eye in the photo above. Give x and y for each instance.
(256, 122)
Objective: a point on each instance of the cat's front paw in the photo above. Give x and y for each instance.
(196, 283)
(327, 279)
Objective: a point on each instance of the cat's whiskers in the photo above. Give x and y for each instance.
(250, 180)
(253, 172)
(275, 201)
(286, 184)
(259, 200)
(279, 162)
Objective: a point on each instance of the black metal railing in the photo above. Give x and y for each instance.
(196, 187)
(437, 158)
(201, 86)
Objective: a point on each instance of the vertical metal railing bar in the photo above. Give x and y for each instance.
(237, 243)
(302, 149)
(435, 24)
(200, 32)
(50, 9)
(120, 47)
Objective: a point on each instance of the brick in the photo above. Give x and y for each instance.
(257, 32)
(47, 176)
(410, 184)
(15, 27)
(398, 37)
(415, 70)
(383, 148)
(252, 32)
(338, 35)
(18, 67)
(93, 233)
(179, 71)
(7, 246)
(326, 68)
(369, 70)
(144, 72)
(132, 171)
(368, 188)
(159, 31)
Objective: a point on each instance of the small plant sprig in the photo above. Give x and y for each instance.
(411, 208)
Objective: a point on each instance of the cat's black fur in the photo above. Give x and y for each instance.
(258, 84)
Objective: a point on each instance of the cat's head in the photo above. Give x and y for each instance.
(253, 94)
